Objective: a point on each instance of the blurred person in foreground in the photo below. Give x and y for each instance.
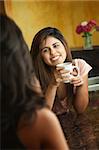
(26, 121)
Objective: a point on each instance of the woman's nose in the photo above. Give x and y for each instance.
(52, 51)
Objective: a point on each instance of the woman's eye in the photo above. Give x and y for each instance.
(45, 50)
(55, 46)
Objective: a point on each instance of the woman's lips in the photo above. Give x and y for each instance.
(55, 58)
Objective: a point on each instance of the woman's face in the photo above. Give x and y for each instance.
(53, 51)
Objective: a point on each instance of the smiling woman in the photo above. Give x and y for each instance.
(68, 100)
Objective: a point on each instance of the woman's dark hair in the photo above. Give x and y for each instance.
(42, 70)
(16, 74)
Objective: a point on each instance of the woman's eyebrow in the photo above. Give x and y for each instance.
(55, 43)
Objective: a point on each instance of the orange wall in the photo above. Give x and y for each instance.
(32, 15)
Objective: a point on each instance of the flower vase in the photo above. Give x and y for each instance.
(87, 41)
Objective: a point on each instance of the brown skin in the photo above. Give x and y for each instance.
(81, 98)
(45, 131)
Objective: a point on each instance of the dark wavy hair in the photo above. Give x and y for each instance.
(16, 74)
(43, 71)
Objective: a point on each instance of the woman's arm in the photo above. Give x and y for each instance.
(52, 88)
(81, 94)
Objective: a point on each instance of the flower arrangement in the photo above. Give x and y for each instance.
(87, 28)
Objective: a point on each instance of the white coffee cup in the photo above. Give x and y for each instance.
(69, 68)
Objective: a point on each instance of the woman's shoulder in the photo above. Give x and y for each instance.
(46, 116)
(42, 120)
(51, 131)
(83, 66)
(82, 63)
(79, 61)
(39, 132)
(32, 133)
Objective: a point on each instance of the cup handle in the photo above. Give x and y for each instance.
(77, 70)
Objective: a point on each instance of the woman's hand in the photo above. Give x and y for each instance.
(61, 74)
(56, 79)
(77, 81)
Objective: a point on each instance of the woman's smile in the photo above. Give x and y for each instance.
(55, 58)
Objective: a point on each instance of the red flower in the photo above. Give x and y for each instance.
(86, 26)
(92, 23)
(79, 29)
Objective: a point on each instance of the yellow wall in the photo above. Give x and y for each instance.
(32, 15)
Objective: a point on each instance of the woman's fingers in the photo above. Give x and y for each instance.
(63, 75)
(77, 81)
(62, 70)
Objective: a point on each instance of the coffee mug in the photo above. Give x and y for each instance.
(69, 67)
